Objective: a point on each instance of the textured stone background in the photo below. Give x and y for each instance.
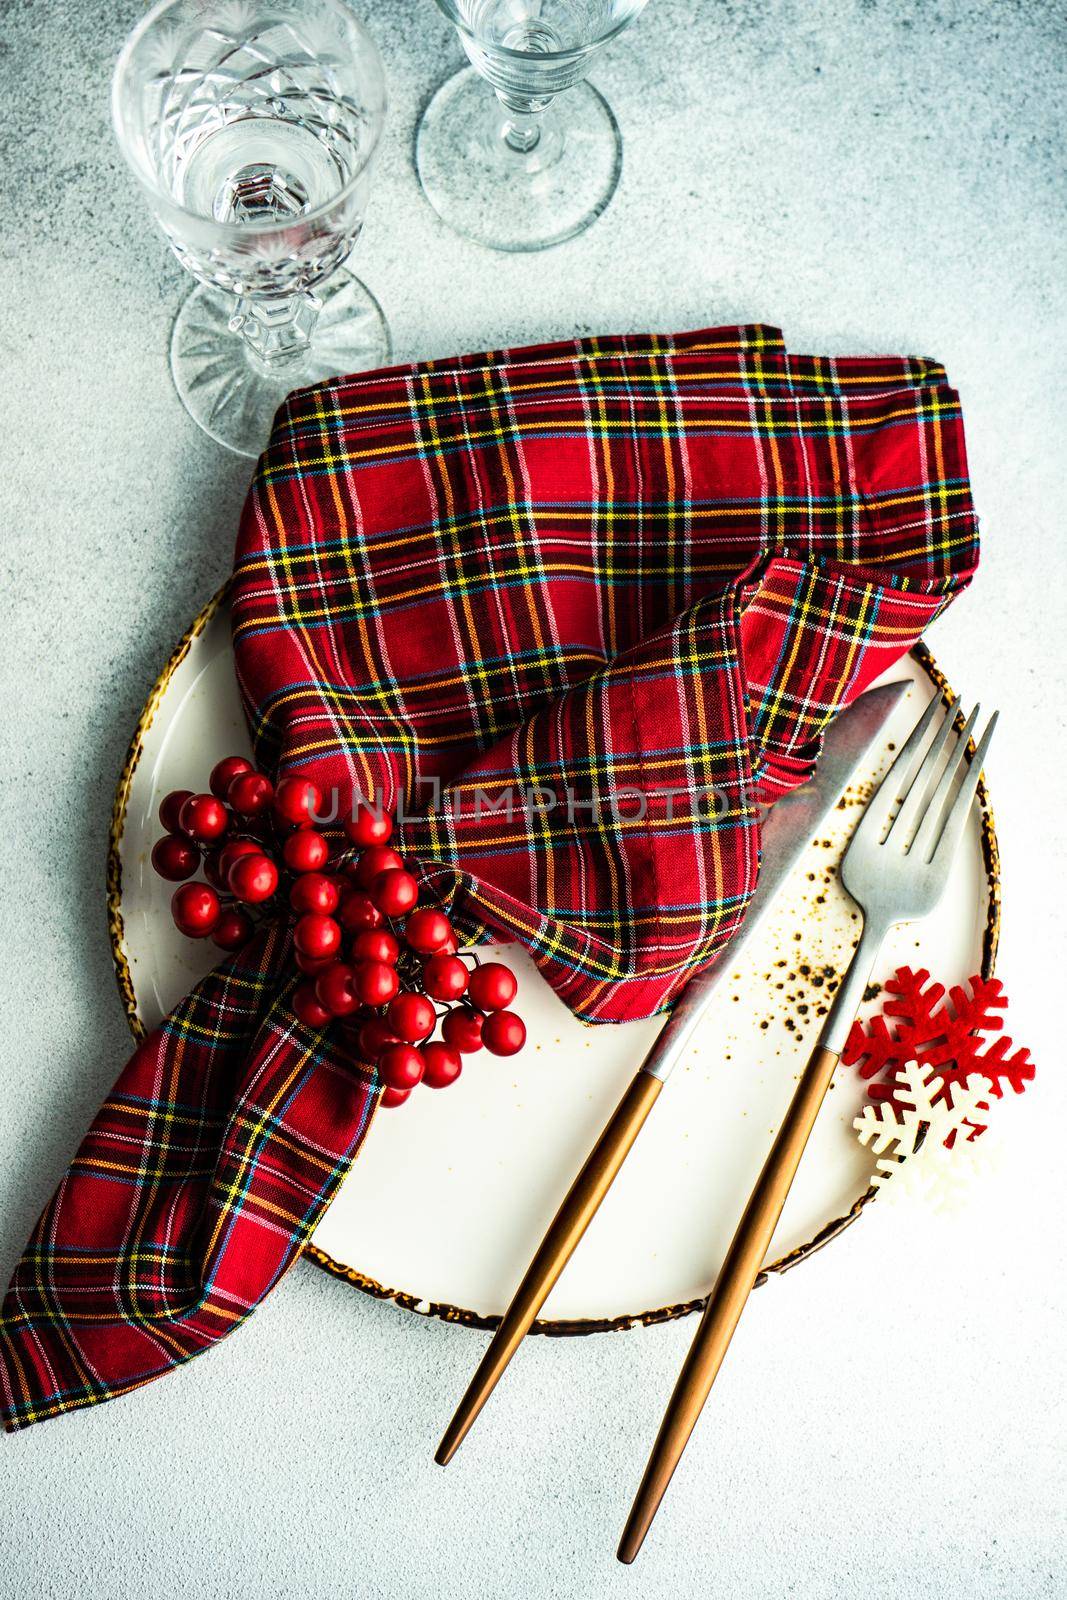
(872, 175)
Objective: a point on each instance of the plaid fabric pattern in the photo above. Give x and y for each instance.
(202, 1176)
(648, 567)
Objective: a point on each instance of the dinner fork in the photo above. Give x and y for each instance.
(895, 868)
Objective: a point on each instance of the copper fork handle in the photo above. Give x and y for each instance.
(557, 1247)
(740, 1270)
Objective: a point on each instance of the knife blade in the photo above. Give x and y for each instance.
(787, 830)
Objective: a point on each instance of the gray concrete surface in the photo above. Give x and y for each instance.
(873, 175)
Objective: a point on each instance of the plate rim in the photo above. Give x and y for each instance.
(442, 1311)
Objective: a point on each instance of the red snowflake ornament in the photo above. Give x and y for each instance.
(952, 1038)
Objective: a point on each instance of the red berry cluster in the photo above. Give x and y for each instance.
(370, 954)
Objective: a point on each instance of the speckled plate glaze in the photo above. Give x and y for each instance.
(452, 1192)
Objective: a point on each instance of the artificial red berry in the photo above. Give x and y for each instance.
(369, 826)
(503, 1033)
(297, 801)
(462, 1029)
(305, 851)
(249, 794)
(335, 990)
(253, 878)
(394, 892)
(427, 930)
(442, 1065)
(204, 818)
(308, 1007)
(170, 809)
(195, 909)
(231, 852)
(377, 858)
(312, 967)
(233, 929)
(175, 858)
(401, 1067)
(376, 982)
(314, 892)
(445, 977)
(492, 986)
(224, 772)
(375, 1038)
(375, 944)
(412, 1017)
(394, 1097)
(317, 935)
(358, 912)
(339, 885)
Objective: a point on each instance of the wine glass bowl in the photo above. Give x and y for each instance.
(514, 43)
(520, 173)
(252, 129)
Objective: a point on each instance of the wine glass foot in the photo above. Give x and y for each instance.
(506, 198)
(231, 395)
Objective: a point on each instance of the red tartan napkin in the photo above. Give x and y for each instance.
(574, 610)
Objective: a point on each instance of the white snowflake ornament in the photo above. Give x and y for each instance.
(908, 1135)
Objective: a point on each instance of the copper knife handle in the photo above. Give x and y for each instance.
(561, 1240)
(742, 1266)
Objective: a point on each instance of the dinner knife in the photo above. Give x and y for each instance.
(786, 832)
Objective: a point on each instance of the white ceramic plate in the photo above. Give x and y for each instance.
(452, 1192)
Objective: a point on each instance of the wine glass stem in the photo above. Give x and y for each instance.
(277, 331)
(521, 128)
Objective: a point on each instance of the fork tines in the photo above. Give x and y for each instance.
(916, 806)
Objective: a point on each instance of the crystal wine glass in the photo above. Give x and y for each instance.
(252, 125)
(521, 172)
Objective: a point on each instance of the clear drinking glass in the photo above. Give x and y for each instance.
(252, 125)
(520, 172)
